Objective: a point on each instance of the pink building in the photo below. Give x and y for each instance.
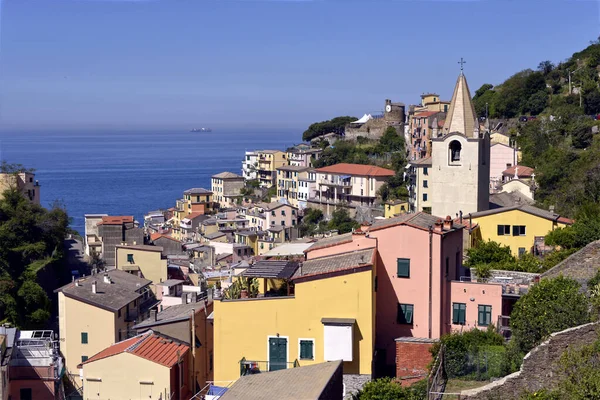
(502, 157)
(422, 289)
(419, 256)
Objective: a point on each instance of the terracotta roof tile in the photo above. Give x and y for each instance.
(522, 171)
(150, 346)
(116, 220)
(356, 169)
(336, 263)
(425, 114)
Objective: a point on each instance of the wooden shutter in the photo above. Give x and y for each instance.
(455, 313)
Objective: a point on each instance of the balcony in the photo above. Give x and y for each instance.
(346, 183)
(251, 367)
(503, 326)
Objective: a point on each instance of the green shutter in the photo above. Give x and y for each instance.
(306, 350)
(403, 265)
(500, 230)
(455, 313)
(84, 358)
(405, 313)
(408, 315)
(84, 337)
(463, 314)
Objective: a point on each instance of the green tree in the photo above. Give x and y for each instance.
(388, 389)
(545, 67)
(31, 239)
(550, 306)
(391, 141)
(341, 221)
(335, 125)
(489, 252)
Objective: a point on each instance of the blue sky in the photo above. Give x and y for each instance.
(174, 64)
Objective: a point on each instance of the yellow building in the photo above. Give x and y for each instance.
(515, 227)
(288, 177)
(329, 315)
(147, 366)
(97, 311)
(395, 207)
(24, 182)
(268, 162)
(196, 200)
(144, 261)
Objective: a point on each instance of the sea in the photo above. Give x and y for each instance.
(131, 172)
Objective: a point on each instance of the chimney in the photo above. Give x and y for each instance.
(438, 226)
(77, 283)
(460, 213)
(551, 209)
(153, 315)
(107, 279)
(448, 223)
(94, 287)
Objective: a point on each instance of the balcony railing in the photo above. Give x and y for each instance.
(251, 367)
(503, 326)
(329, 182)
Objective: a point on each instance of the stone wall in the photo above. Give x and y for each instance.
(540, 366)
(372, 129)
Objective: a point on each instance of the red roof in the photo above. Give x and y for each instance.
(522, 171)
(195, 214)
(356, 169)
(441, 123)
(149, 346)
(157, 235)
(565, 220)
(116, 220)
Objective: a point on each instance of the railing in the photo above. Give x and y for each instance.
(251, 367)
(503, 326)
(335, 182)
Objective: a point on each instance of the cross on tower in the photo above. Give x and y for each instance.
(462, 63)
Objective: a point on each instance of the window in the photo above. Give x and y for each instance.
(84, 338)
(130, 258)
(119, 313)
(282, 223)
(454, 149)
(424, 196)
(403, 265)
(405, 313)
(307, 349)
(518, 230)
(425, 171)
(293, 212)
(283, 213)
(484, 317)
(427, 210)
(459, 311)
(425, 184)
(503, 230)
(522, 251)
(25, 394)
(293, 222)
(84, 358)
(273, 213)
(447, 265)
(210, 361)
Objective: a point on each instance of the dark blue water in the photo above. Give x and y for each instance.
(130, 173)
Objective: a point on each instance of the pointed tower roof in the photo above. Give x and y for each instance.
(461, 115)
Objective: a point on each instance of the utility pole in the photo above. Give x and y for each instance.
(571, 73)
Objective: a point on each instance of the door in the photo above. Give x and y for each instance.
(277, 354)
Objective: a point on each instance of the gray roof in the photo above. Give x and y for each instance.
(420, 220)
(215, 235)
(227, 175)
(171, 314)
(110, 296)
(423, 162)
(331, 241)
(525, 208)
(338, 262)
(506, 199)
(293, 168)
(273, 205)
(580, 266)
(306, 383)
(276, 228)
(270, 151)
(197, 191)
(147, 247)
(272, 269)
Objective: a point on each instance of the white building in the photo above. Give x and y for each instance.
(250, 165)
(306, 187)
(350, 185)
(418, 192)
(502, 157)
(460, 173)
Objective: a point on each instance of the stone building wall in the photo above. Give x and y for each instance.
(372, 129)
(540, 367)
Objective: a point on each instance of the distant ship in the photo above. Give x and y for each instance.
(201, 130)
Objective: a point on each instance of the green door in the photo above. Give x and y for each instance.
(277, 354)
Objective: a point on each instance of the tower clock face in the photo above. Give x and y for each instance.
(388, 108)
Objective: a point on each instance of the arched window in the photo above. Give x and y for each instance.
(454, 150)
